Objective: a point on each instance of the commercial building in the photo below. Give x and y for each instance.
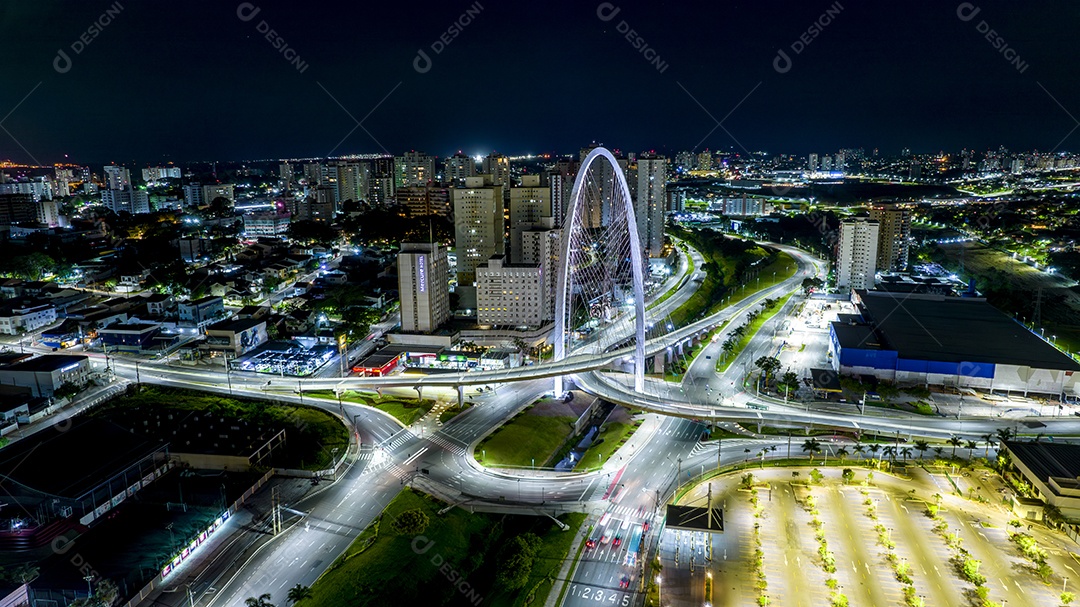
(1053, 469)
(236, 336)
(423, 286)
(273, 224)
(478, 225)
(530, 204)
(650, 201)
(856, 256)
(129, 200)
(154, 174)
(894, 235)
(509, 295)
(46, 373)
(26, 317)
(133, 337)
(952, 341)
(219, 190)
(200, 312)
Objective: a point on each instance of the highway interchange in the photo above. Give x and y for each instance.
(625, 493)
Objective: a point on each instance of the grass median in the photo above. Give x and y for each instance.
(406, 410)
(725, 361)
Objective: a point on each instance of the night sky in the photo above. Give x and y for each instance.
(188, 81)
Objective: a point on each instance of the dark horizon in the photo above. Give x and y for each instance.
(114, 82)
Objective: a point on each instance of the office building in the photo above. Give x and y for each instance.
(413, 168)
(219, 190)
(478, 225)
(856, 256)
(894, 235)
(529, 204)
(423, 286)
(509, 295)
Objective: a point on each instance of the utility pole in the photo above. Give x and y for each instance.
(275, 514)
(228, 377)
(718, 441)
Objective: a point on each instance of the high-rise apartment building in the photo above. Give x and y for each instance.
(498, 166)
(458, 167)
(130, 200)
(413, 168)
(351, 179)
(17, 208)
(478, 225)
(894, 235)
(529, 204)
(423, 287)
(812, 162)
(155, 174)
(219, 190)
(541, 246)
(285, 175)
(419, 201)
(650, 201)
(117, 177)
(856, 256)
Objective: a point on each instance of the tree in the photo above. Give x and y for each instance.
(989, 439)
(298, 593)
(922, 447)
(938, 451)
(263, 600)
(816, 476)
(811, 446)
(955, 441)
(411, 522)
(906, 452)
(516, 561)
(747, 481)
(842, 453)
(789, 382)
(874, 448)
(1004, 434)
(848, 475)
(970, 446)
(768, 365)
(1067, 597)
(859, 448)
(32, 266)
(890, 452)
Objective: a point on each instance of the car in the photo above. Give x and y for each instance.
(645, 526)
(615, 542)
(591, 543)
(604, 539)
(624, 582)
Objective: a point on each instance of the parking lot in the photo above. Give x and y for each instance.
(881, 538)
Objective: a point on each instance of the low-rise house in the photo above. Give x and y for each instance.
(201, 312)
(25, 317)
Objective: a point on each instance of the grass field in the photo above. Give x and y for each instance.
(525, 440)
(382, 567)
(406, 410)
(683, 250)
(724, 363)
(612, 436)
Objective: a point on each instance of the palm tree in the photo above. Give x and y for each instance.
(955, 441)
(858, 448)
(938, 450)
(970, 446)
(922, 446)
(263, 600)
(989, 439)
(890, 452)
(1005, 434)
(906, 452)
(842, 453)
(874, 448)
(811, 446)
(298, 593)
(747, 452)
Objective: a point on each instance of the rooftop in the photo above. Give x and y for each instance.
(48, 362)
(1046, 460)
(957, 329)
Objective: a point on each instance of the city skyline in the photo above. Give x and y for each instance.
(794, 80)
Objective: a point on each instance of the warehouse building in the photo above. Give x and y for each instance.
(950, 341)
